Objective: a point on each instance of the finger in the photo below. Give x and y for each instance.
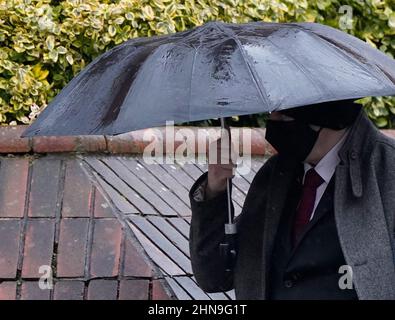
(220, 169)
(226, 174)
(228, 166)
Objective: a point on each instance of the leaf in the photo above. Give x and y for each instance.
(19, 49)
(391, 20)
(112, 31)
(381, 122)
(58, 77)
(43, 74)
(53, 55)
(148, 13)
(21, 74)
(126, 29)
(129, 16)
(70, 59)
(391, 109)
(29, 46)
(23, 119)
(119, 20)
(371, 43)
(77, 44)
(62, 50)
(50, 42)
(158, 4)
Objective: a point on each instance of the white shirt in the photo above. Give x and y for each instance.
(325, 168)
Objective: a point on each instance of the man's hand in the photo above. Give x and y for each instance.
(220, 167)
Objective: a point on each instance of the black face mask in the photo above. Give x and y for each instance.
(292, 139)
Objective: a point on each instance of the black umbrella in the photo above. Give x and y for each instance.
(215, 71)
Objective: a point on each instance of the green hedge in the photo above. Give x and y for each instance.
(44, 44)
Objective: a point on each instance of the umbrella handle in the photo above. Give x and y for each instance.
(228, 246)
(230, 227)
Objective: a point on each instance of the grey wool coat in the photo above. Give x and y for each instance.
(364, 209)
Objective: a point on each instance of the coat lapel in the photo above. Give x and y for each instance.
(280, 183)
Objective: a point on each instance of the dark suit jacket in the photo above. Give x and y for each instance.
(309, 269)
(364, 210)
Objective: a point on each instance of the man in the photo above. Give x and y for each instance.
(318, 221)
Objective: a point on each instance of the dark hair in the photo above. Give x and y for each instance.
(334, 114)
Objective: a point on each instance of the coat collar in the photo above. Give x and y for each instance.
(280, 183)
(353, 150)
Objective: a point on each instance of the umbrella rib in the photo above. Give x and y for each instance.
(191, 34)
(190, 85)
(192, 71)
(262, 95)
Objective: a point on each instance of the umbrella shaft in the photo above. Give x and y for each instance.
(228, 182)
(230, 228)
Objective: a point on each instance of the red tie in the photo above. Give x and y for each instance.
(304, 210)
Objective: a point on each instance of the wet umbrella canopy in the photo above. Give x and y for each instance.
(216, 70)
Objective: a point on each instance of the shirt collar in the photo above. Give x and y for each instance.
(327, 165)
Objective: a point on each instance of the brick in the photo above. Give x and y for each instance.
(102, 207)
(13, 177)
(134, 264)
(95, 143)
(11, 142)
(69, 290)
(38, 246)
(76, 204)
(133, 290)
(102, 289)
(55, 144)
(158, 291)
(120, 143)
(258, 145)
(31, 291)
(8, 290)
(106, 248)
(72, 247)
(9, 247)
(131, 142)
(44, 188)
(91, 144)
